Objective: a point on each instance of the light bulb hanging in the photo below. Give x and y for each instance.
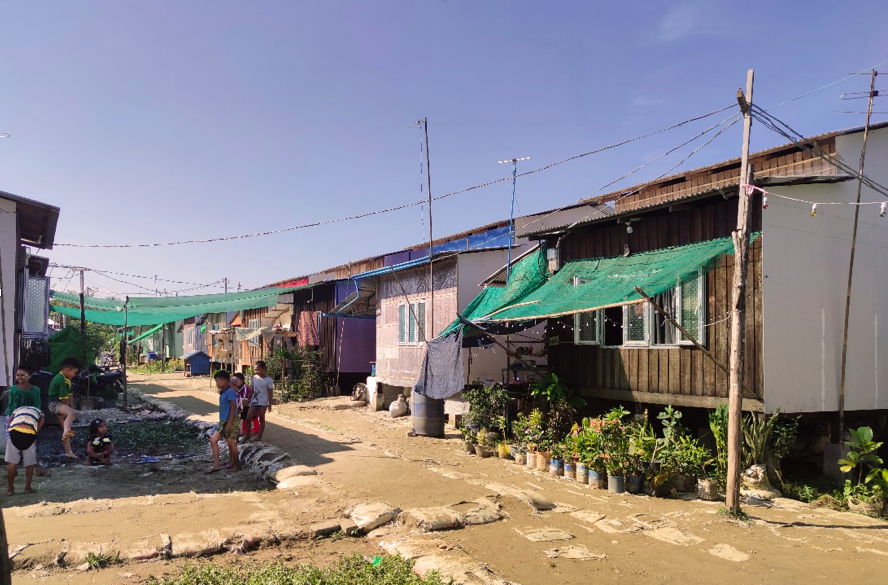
(882, 209)
(765, 201)
(814, 210)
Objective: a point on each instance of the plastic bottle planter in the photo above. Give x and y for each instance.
(530, 461)
(597, 480)
(570, 470)
(520, 458)
(502, 450)
(542, 461)
(634, 483)
(582, 473)
(470, 448)
(616, 484)
(556, 467)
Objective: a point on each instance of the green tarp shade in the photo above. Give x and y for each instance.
(64, 344)
(148, 333)
(134, 319)
(596, 283)
(527, 275)
(194, 305)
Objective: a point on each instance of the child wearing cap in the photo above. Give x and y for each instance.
(21, 448)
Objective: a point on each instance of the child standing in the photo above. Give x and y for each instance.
(263, 387)
(60, 401)
(21, 448)
(244, 395)
(100, 445)
(227, 428)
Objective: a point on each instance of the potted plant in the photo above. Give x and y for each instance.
(707, 486)
(616, 449)
(688, 457)
(635, 466)
(556, 462)
(470, 438)
(502, 450)
(518, 453)
(482, 449)
(109, 396)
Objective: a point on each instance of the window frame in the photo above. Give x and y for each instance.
(701, 312)
(650, 315)
(596, 329)
(253, 324)
(410, 332)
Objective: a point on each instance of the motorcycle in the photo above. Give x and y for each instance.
(97, 382)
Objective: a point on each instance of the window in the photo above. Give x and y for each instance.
(635, 324)
(411, 323)
(189, 336)
(587, 329)
(643, 326)
(254, 324)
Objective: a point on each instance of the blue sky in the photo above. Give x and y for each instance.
(161, 121)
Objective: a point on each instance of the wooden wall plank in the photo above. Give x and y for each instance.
(653, 357)
(674, 358)
(685, 357)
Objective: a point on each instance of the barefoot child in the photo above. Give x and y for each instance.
(263, 386)
(100, 445)
(21, 448)
(227, 428)
(60, 401)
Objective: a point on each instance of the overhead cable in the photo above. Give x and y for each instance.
(406, 205)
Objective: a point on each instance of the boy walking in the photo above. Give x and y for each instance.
(263, 387)
(21, 448)
(60, 401)
(227, 428)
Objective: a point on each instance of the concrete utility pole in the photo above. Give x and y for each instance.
(738, 312)
(225, 281)
(869, 113)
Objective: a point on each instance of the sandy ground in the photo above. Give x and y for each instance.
(362, 457)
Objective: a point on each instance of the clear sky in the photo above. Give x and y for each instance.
(169, 120)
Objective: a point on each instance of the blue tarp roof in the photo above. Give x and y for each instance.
(496, 238)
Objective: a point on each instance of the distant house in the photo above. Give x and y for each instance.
(24, 287)
(797, 279)
(404, 303)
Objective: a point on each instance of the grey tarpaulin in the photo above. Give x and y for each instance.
(442, 374)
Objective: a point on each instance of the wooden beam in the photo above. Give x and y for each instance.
(685, 400)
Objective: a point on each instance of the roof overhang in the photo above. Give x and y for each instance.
(36, 221)
(360, 303)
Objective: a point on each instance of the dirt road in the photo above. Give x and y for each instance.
(545, 530)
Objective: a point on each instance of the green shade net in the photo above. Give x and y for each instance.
(527, 275)
(148, 333)
(159, 310)
(134, 319)
(597, 283)
(195, 305)
(64, 344)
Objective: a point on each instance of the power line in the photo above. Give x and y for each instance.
(828, 85)
(780, 127)
(406, 205)
(130, 275)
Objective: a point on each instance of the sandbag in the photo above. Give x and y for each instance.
(398, 407)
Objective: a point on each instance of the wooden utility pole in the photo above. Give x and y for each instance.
(431, 328)
(869, 113)
(125, 353)
(82, 309)
(738, 311)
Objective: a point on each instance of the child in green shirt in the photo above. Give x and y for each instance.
(60, 401)
(23, 393)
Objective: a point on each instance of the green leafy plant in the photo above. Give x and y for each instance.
(718, 424)
(553, 391)
(351, 570)
(100, 560)
(862, 454)
(487, 405)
